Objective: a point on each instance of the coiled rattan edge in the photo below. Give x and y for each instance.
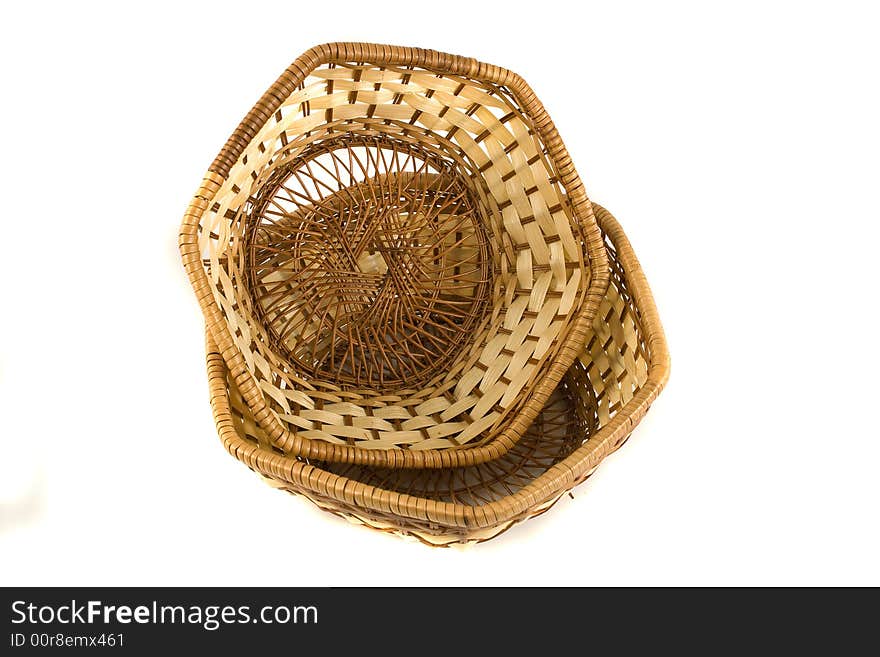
(462, 522)
(581, 206)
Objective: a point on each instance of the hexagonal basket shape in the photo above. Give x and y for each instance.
(622, 367)
(395, 257)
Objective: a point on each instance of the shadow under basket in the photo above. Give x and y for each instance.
(621, 369)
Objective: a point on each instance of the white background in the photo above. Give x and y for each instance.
(739, 147)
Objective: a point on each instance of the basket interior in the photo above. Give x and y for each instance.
(379, 283)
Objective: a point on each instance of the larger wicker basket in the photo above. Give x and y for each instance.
(395, 257)
(622, 366)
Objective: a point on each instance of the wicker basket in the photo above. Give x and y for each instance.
(395, 257)
(622, 367)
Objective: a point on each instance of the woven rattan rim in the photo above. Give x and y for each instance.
(527, 408)
(461, 521)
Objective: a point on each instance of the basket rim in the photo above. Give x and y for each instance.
(596, 264)
(457, 516)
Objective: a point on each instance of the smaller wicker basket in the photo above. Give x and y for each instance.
(622, 367)
(396, 257)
